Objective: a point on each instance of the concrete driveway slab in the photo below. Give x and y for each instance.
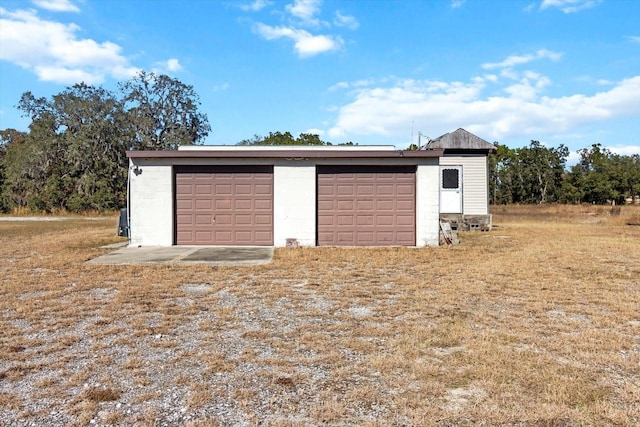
(185, 255)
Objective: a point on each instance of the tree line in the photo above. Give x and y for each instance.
(538, 174)
(286, 138)
(73, 158)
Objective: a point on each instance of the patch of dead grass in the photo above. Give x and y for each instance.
(535, 323)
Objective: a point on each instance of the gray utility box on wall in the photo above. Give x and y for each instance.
(123, 223)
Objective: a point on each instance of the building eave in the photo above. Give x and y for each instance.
(284, 154)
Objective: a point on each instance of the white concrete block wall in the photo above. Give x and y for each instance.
(427, 205)
(294, 204)
(151, 205)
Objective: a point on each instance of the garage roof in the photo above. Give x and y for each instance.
(286, 154)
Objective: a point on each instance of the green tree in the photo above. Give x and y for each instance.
(286, 138)
(501, 174)
(541, 172)
(603, 177)
(74, 156)
(531, 174)
(163, 112)
(28, 163)
(8, 137)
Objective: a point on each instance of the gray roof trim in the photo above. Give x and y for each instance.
(285, 154)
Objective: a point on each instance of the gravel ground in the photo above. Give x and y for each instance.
(246, 376)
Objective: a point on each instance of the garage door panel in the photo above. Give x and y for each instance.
(242, 236)
(386, 237)
(385, 190)
(185, 189)
(385, 205)
(345, 237)
(263, 190)
(185, 219)
(345, 190)
(204, 219)
(223, 189)
(405, 205)
(365, 237)
(405, 190)
(263, 205)
(344, 205)
(202, 235)
(345, 220)
(326, 220)
(365, 220)
(366, 205)
(243, 189)
(365, 189)
(224, 205)
(200, 204)
(384, 220)
(402, 220)
(243, 204)
(243, 219)
(325, 205)
(184, 204)
(185, 235)
(325, 190)
(263, 219)
(223, 237)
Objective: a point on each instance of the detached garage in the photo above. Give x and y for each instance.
(274, 196)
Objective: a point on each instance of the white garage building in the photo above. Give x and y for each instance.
(275, 195)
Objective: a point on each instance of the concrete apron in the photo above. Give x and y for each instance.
(188, 255)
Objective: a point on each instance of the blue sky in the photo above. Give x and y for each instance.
(371, 72)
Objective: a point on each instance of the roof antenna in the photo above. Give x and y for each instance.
(420, 135)
(412, 121)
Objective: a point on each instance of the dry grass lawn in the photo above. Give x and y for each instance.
(536, 323)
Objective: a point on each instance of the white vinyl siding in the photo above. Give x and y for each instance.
(475, 191)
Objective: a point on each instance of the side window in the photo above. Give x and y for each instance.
(450, 178)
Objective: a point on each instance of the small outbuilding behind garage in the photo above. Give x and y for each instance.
(279, 196)
(464, 179)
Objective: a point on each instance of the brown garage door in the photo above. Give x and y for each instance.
(224, 205)
(366, 205)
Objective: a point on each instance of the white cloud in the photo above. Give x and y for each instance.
(57, 5)
(437, 107)
(514, 60)
(305, 10)
(256, 6)
(570, 6)
(174, 65)
(339, 85)
(305, 13)
(221, 87)
(625, 150)
(54, 53)
(455, 4)
(347, 21)
(313, 131)
(171, 65)
(634, 39)
(305, 43)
